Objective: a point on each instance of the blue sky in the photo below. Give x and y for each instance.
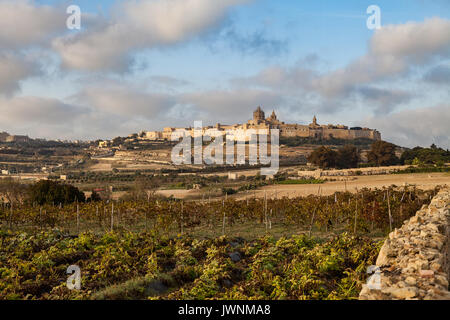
(175, 61)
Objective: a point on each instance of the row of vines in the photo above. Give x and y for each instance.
(362, 212)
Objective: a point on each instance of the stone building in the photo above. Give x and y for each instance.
(6, 137)
(260, 122)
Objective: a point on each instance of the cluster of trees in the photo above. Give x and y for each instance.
(47, 191)
(381, 153)
(325, 157)
(299, 141)
(426, 156)
(42, 192)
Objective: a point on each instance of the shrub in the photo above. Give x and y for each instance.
(382, 153)
(323, 157)
(52, 192)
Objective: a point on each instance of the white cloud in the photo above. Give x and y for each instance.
(129, 103)
(229, 105)
(411, 128)
(13, 69)
(36, 112)
(139, 25)
(415, 41)
(393, 50)
(23, 23)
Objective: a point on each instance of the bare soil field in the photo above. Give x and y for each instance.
(420, 180)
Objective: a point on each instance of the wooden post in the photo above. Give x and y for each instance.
(356, 214)
(10, 215)
(112, 217)
(105, 213)
(78, 219)
(265, 209)
(312, 222)
(182, 220)
(389, 209)
(270, 220)
(373, 213)
(98, 216)
(223, 223)
(146, 211)
(118, 217)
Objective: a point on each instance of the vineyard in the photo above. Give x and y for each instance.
(315, 247)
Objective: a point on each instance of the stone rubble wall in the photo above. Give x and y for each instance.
(414, 261)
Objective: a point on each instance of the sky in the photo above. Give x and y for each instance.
(147, 64)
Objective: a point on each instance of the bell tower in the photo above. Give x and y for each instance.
(259, 115)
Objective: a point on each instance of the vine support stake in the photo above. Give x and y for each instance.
(389, 210)
(356, 214)
(78, 219)
(373, 213)
(312, 223)
(223, 223)
(182, 220)
(112, 217)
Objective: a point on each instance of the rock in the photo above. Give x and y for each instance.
(436, 267)
(421, 264)
(426, 273)
(441, 281)
(385, 252)
(414, 258)
(404, 293)
(410, 281)
(415, 219)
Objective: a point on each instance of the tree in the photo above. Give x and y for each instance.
(323, 157)
(347, 157)
(52, 192)
(94, 197)
(425, 156)
(382, 153)
(12, 190)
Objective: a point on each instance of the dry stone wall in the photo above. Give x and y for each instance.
(413, 263)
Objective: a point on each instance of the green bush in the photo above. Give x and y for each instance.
(52, 192)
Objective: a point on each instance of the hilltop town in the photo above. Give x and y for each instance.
(259, 122)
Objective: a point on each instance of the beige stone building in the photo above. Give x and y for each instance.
(260, 122)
